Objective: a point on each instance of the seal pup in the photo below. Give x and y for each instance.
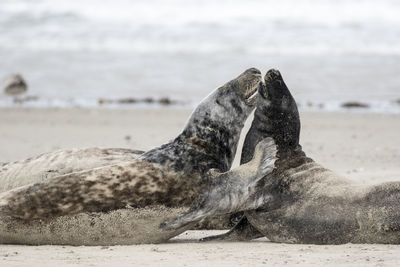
(169, 176)
(309, 203)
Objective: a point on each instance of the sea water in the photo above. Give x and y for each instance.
(75, 52)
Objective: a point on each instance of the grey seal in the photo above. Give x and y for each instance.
(306, 202)
(168, 178)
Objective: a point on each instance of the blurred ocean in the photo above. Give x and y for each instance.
(73, 52)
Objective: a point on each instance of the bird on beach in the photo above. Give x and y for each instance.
(14, 84)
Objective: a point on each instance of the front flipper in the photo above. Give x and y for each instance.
(242, 231)
(234, 190)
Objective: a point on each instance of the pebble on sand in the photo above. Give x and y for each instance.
(355, 105)
(14, 84)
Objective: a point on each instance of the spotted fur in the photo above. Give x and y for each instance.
(50, 165)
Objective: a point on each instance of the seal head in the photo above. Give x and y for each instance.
(276, 116)
(210, 137)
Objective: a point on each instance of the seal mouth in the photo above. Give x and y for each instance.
(250, 93)
(245, 86)
(251, 100)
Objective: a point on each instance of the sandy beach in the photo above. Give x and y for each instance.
(362, 146)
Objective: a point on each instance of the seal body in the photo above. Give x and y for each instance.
(309, 203)
(169, 176)
(125, 226)
(53, 164)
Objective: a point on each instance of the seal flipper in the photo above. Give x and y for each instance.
(234, 190)
(242, 231)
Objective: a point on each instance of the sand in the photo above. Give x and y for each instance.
(364, 147)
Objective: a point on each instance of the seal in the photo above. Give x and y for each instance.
(170, 176)
(308, 203)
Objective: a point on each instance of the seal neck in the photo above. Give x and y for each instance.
(283, 125)
(215, 140)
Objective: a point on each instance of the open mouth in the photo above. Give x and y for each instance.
(251, 100)
(250, 95)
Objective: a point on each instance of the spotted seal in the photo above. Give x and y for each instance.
(166, 179)
(303, 201)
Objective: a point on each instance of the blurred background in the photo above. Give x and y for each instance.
(88, 53)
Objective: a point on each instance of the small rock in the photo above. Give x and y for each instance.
(165, 101)
(354, 105)
(148, 100)
(14, 84)
(129, 100)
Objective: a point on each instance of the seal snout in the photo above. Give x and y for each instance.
(272, 75)
(274, 85)
(253, 71)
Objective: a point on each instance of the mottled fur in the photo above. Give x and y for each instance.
(50, 165)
